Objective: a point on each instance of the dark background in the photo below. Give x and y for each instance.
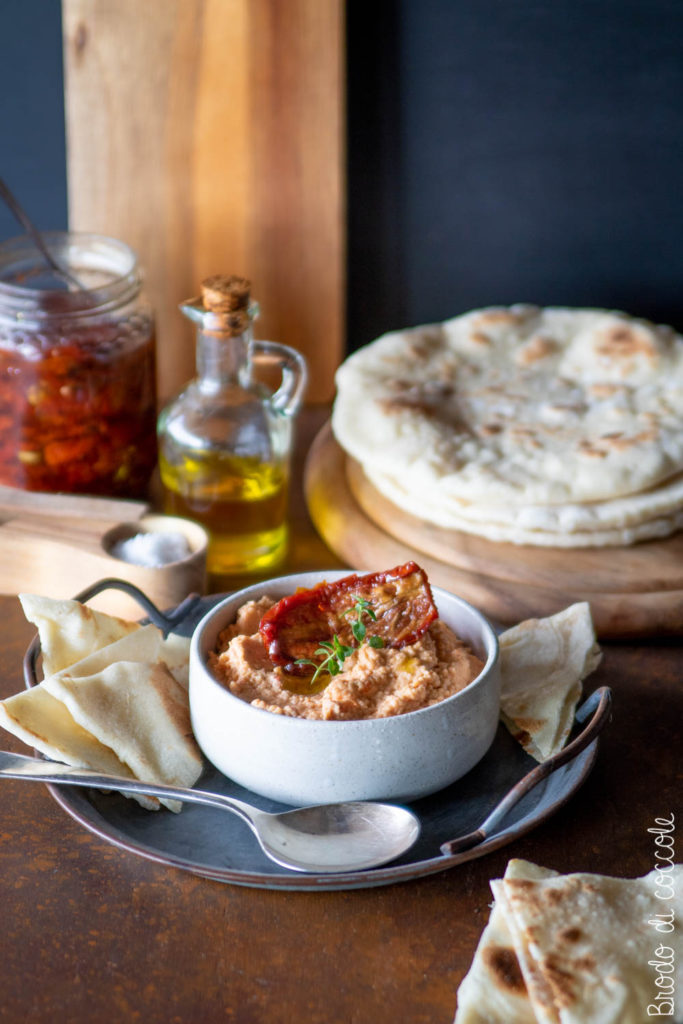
(511, 150)
(499, 151)
(32, 148)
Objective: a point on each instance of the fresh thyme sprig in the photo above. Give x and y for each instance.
(333, 652)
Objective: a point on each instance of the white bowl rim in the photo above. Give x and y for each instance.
(294, 721)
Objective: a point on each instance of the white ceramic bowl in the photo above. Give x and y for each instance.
(299, 761)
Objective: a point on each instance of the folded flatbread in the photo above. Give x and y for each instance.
(174, 651)
(43, 722)
(139, 711)
(121, 708)
(494, 990)
(588, 943)
(543, 663)
(70, 631)
(574, 949)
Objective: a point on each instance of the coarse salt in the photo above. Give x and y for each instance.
(152, 549)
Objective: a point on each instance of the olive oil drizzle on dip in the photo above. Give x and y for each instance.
(303, 684)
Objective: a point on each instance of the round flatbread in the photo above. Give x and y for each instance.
(654, 514)
(519, 406)
(616, 514)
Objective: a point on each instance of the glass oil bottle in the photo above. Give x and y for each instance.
(225, 442)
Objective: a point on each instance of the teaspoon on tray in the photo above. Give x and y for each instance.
(323, 839)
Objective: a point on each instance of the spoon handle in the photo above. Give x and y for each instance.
(35, 236)
(17, 766)
(599, 704)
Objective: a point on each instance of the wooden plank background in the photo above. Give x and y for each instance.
(208, 134)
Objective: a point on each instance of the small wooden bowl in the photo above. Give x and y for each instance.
(165, 585)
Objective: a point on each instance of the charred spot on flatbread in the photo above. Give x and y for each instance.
(622, 341)
(533, 351)
(562, 981)
(584, 963)
(525, 729)
(504, 967)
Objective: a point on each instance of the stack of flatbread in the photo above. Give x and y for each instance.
(543, 426)
(576, 949)
(113, 697)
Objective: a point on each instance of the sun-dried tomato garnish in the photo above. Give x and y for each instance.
(400, 598)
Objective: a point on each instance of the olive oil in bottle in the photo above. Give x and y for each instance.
(225, 441)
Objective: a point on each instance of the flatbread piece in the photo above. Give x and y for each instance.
(543, 663)
(576, 949)
(121, 707)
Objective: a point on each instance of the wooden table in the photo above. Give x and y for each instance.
(90, 932)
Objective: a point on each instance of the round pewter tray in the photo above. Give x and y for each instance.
(221, 847)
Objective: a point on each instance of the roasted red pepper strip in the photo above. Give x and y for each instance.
(400, 598)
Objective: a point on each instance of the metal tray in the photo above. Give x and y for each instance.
(219, 846)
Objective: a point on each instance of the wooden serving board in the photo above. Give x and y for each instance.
(209, 136)
(634, 591)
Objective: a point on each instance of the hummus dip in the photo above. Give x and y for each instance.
(375, 683)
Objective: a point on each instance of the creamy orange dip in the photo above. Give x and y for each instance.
(373, 684)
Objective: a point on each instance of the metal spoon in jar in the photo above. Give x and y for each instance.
(34, 234)
(322, 839)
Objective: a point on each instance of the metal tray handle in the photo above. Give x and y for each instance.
(165, 621)
(599, 706)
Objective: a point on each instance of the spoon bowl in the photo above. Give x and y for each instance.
(325, 838)
(338, 837)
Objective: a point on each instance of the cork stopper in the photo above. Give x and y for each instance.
(228, 298)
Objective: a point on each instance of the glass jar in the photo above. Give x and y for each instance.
(77, 369)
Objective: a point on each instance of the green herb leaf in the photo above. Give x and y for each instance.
(333, 652)
(359, 630)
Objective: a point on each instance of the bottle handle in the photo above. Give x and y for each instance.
(292, 365)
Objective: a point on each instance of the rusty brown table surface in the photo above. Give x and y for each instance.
(90, 932)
